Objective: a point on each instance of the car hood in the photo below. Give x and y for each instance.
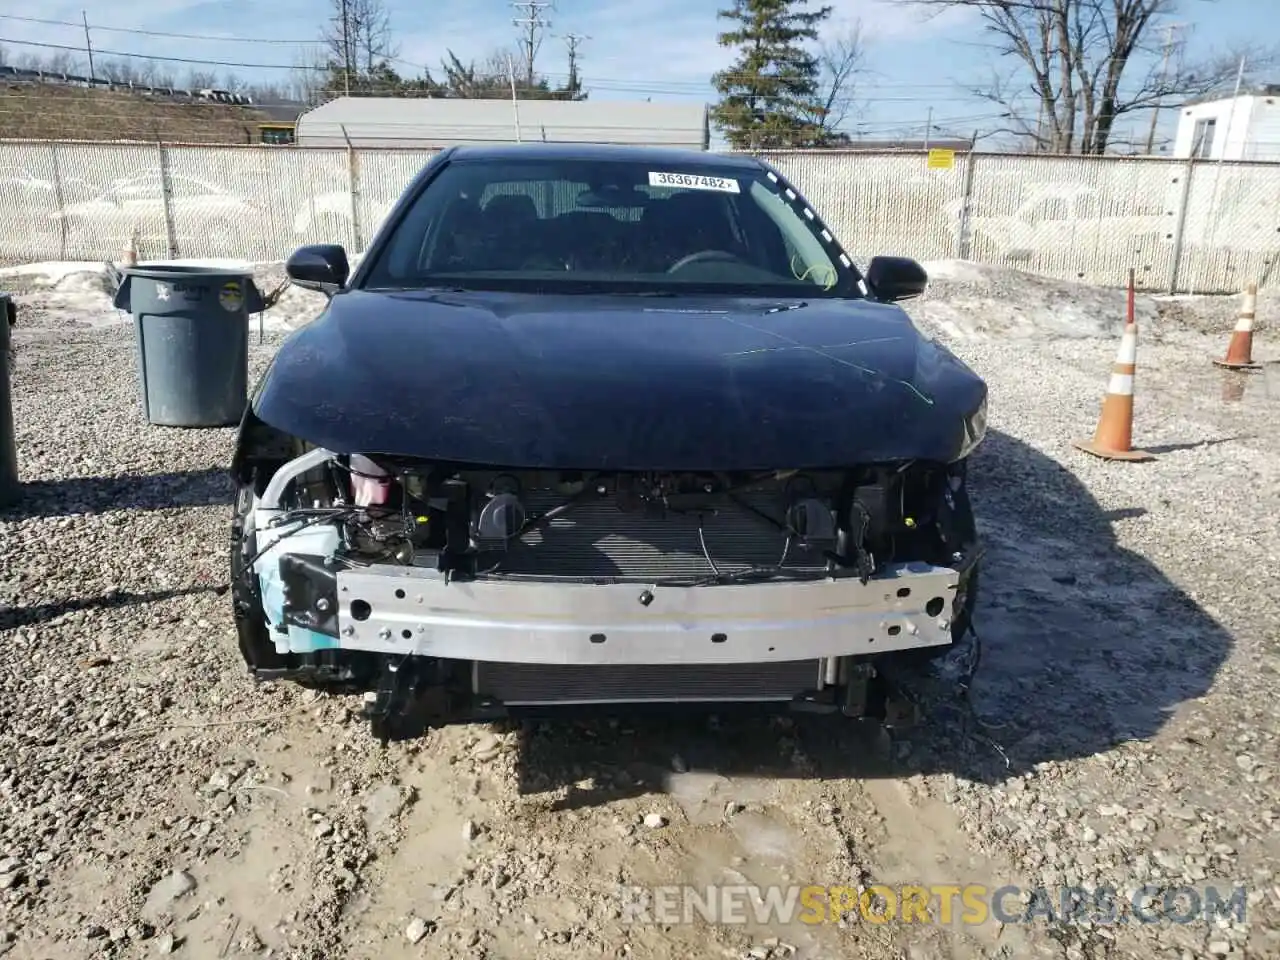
(619, 383)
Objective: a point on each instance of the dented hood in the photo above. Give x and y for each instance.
(618, 382)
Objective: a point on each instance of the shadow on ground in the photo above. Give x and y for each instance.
(42, 613)
(153, 491)
(1084, 645)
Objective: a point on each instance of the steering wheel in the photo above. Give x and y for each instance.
(704, 256)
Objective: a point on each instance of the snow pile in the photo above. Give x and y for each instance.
(79, 293)
(62, 294)
(50, 274)
(968, 301)
(965, 301)
(295, 307)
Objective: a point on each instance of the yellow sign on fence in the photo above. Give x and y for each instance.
(942, 159)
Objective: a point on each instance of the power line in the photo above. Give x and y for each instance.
(571, 40)
(533, 25)
(157, 33)
(605, 84)
(691, 87)
(533, 22)
(614, 85)
(147, 56)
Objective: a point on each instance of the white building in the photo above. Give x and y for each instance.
(430, 123)
(1246, 127)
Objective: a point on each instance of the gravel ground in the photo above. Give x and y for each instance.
(1121, 728)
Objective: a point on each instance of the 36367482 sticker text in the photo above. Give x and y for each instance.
(693, 181)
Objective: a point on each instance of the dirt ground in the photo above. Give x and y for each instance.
(1121, 728)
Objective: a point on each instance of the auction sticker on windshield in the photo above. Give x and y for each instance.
(692, 181)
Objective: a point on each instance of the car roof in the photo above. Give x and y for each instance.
(670, 156)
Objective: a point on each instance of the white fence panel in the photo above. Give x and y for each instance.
(1077, 218)
(880, 203)
(1231, 234)
(312, 191)
(1191, 226)
(382, 176)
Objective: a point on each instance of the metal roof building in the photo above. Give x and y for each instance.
(438, 122)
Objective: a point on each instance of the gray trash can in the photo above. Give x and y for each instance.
(191, 325)
(10, 488)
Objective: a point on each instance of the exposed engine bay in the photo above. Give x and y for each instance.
(688, 529)
(534, 588)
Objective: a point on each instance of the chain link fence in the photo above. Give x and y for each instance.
(1184, 226)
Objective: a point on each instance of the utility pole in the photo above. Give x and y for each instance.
(532, 26)
(344, 39)
(928, 128)
(88, 44)
(515, 100)
(571, 41)
(1164, 75)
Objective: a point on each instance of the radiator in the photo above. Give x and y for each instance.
(522, 684)
(595, 540)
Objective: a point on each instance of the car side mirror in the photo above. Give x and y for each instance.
(322, 267)
(896, 278)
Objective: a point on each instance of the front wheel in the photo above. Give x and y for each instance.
(314, 671)
(256, 648)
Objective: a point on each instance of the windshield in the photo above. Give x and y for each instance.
(610, 226)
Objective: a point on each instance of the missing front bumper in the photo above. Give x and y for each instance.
(408, 611)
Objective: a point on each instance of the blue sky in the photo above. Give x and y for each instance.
(660, 49)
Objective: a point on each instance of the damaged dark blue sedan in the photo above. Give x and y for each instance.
(603, 426)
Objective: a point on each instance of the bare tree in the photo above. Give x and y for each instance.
(376, 46)
(149, 73)
(119, 71)
(358, 41)
(270, 92)
(152, 74)
(63, 61)
(840, 61)
(202, 80)
(25, 60)
(309, 79)
(499, 65)
(1086, 63)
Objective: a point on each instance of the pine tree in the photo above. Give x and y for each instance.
(769, 98)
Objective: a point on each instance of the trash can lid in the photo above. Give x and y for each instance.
(170, 271)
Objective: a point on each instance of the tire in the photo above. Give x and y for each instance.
(256, 647)
(254, 639)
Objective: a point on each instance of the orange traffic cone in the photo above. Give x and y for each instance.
(1240, 349)
(130, 256)
(1113, 439)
